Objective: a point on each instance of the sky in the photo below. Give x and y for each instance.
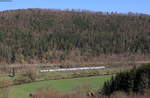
(120, 6)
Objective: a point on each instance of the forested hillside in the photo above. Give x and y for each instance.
(45, 35)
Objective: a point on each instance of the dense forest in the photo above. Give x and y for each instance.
(44, 35)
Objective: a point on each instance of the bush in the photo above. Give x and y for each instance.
(51, 93)
(28, 76)
(4, 83)
(134, 80)
(124, 95)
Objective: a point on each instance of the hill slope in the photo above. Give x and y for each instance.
(45, 35)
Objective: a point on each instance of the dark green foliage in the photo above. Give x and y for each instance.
(135, 80)
(34, 33)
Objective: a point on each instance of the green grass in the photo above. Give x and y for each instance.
(65, 85)
(62, 85)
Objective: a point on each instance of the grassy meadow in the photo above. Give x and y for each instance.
(58, 81)
(65, 85)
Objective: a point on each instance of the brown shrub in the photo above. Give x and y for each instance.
(146, 94)
(46, 93)
(28, 76)
(79, 92)
(4, 83)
